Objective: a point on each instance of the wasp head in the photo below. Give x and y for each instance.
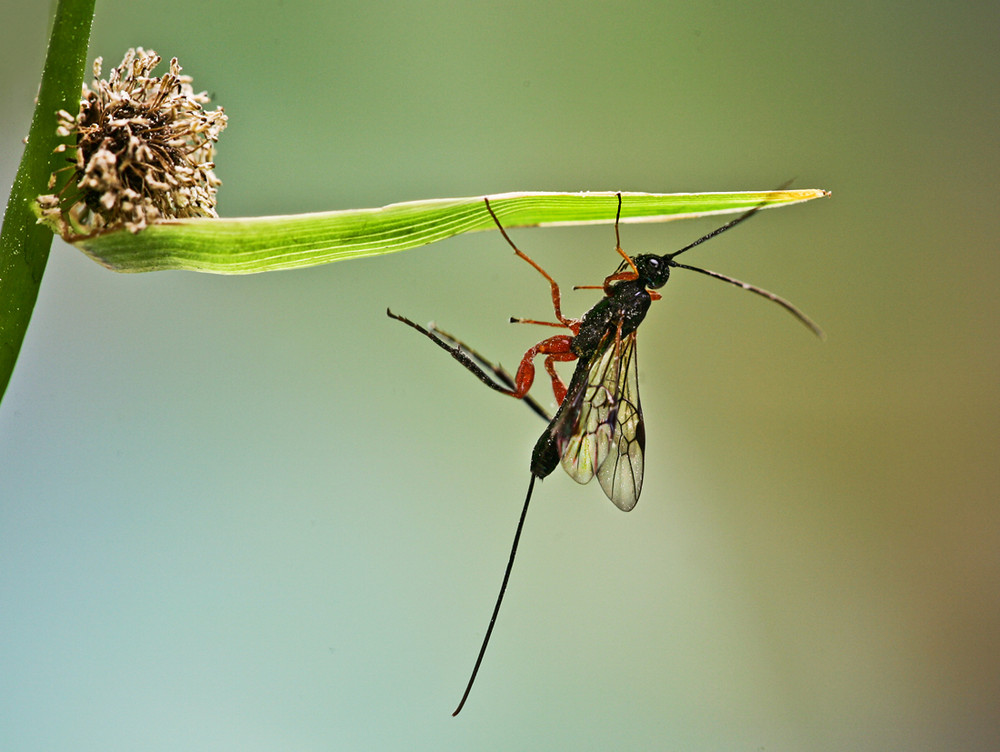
(654, 271)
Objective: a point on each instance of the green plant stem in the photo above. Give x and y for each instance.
(24, 245)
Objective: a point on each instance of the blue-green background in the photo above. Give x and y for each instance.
(254, 514)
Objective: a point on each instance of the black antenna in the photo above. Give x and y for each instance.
(812, 325)
(730, 224)
(669, 258)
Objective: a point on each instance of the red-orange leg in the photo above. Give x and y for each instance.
(556, 297)
(622, 275)
(627, 275)
(558, 385)
(572, 324)
(557, 348)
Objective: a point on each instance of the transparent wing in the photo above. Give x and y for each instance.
(601, 431)
(584, 435)
(620, 474)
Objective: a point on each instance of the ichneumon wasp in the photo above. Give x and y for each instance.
(597, 428)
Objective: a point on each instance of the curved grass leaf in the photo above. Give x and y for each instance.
(260, 244)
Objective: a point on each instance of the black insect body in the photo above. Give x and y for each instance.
(601, 405)
(597, 428)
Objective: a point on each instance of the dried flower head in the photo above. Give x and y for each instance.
(143, 151)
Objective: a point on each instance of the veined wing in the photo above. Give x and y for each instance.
(601, 431)
(620, 474)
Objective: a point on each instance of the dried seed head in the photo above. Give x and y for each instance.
(143, 151)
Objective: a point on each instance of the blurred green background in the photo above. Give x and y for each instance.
(253, 513)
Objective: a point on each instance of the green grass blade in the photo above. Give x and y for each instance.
(260, 244)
